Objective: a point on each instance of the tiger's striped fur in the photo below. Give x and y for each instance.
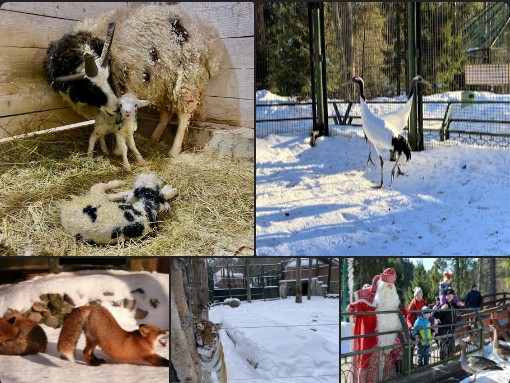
(210, 349)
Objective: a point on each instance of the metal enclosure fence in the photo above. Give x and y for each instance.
(230, 281)
(382, 364)
(465, 47)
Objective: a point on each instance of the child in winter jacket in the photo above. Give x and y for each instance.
(445, 285)
(422, 329)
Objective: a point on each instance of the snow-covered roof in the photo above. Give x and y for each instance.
(304, 263)
(222, 273)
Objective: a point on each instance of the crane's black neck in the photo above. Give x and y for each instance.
(361, 88)
(414, 86)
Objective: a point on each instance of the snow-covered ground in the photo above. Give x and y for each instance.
(321, 201)
(82, 287)
(345, 330)
(281, 341)
(499, 376)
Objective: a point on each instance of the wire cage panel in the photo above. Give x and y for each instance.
(464, 54)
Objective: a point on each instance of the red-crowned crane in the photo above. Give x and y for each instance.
(381, 133)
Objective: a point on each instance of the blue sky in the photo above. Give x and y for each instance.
(427, 262)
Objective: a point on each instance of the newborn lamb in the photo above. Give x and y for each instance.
(97, 219)
(123, 124)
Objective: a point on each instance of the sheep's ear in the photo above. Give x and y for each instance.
(141, 103)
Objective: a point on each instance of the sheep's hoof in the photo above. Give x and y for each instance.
(174, 152)
(141, 161)
(90, 154)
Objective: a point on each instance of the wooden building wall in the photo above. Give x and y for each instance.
(28, 103)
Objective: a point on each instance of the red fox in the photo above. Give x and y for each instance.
(21, 336)
(101, 329)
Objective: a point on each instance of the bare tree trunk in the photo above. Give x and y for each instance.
(492, 275)
(184, 356)
(247, 275)
(199, 288)
(261, 55)
(480, 274)
(347, 32)
(299, 291)
(457, 276)
(309, 292)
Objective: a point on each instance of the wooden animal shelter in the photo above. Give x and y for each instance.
(28, 104)
(43, 142)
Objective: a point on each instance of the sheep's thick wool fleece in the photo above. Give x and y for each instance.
(93, 217)
(161, 53)
(386, 299)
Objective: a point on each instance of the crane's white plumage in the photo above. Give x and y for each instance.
(383, 134)
(398, 118)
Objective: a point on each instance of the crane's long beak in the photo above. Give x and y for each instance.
(347, 83)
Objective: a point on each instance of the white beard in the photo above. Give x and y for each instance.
(387, 299)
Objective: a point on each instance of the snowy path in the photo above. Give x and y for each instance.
(320, 201)
(278, 340)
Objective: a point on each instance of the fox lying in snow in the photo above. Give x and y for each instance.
(21, 336)
(101, 329)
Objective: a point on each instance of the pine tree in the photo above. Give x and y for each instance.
(421, 279)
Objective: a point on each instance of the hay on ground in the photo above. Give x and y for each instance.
(212, 215)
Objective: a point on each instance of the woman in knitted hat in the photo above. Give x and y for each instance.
(417, 303)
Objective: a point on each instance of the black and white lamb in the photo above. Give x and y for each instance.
(160, 53)
(123, 124)
(97, 217)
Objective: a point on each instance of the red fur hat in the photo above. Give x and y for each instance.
(388, 276)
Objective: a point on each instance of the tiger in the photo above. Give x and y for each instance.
(210, 349)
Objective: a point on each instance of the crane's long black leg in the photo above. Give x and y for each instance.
(370, 155)
(382, 166)
(398, 169)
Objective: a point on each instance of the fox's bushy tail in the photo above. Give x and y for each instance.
(71, 330)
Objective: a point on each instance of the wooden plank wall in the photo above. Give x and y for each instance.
(28, 103)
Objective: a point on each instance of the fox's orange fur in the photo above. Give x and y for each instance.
(101, 329)
(21, 336)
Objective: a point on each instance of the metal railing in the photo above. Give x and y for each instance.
(401, 359)
(445, 122)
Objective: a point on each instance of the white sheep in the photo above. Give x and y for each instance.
(97, 218)
(160, 53)
(123, 124)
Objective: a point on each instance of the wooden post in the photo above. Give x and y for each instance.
(299, 290)
(318, 70)
(247, 278)
(412, 69)
(309, 292)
